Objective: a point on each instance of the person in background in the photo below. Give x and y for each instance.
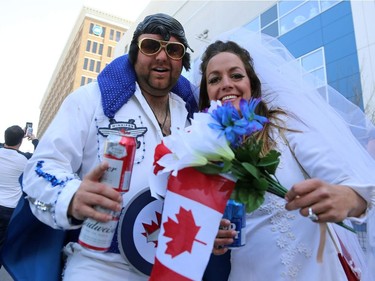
(12, 164)
(328, 173)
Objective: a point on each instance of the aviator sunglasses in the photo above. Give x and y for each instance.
(149, 47)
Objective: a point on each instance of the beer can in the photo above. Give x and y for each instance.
(96, 235)
(119, 152)
(236, 213)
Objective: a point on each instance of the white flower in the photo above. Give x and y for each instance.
(195, 146)
(206, 141)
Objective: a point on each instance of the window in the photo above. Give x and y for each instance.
(313, 60)
(86, 80)
(285, 6)
(272, 29)
(118, 36)
(91, 28)
(298, 16)
(109, 52)
(287, 14)
(92, 64)
(320, 76)
(88, 46)
(268, 16)
(94, 47)
(85, 63)
(111, 34)
(314, 64)
(98, 66)
(100, 49)
(325, 5)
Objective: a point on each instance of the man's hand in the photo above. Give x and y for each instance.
(92, 193)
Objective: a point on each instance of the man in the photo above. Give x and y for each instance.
(134, 95)
(12, 164)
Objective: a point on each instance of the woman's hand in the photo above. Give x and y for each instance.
(330, 202)
(224, 237)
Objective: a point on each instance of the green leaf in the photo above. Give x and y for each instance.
(238, 170)
(227, 165)
(253, 203)
(263, 185)
(270, 161)
(249, 151)
(250, 192)
(210, 169)
(251, 169)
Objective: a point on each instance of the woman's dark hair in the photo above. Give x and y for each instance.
(164, 25)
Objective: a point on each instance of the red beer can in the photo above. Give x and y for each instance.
(119, 152)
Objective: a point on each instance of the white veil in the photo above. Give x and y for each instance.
(285, 84)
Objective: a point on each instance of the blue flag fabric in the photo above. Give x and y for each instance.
(32, 250)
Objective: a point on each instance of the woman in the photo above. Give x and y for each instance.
(323, 181)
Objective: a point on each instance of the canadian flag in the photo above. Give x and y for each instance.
(193, 207)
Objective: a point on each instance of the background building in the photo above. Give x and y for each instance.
(331, 39)
(89, 49)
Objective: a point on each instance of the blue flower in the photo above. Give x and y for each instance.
(227, 117)
(235, 127)
(250, 121)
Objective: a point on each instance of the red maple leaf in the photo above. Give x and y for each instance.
(182, 232)
(152, 230)
(160, 151)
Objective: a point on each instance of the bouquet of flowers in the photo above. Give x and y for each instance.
(223, 141)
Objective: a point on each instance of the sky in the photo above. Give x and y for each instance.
(34, 34)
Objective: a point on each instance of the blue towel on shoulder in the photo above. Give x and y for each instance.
(117, 86)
